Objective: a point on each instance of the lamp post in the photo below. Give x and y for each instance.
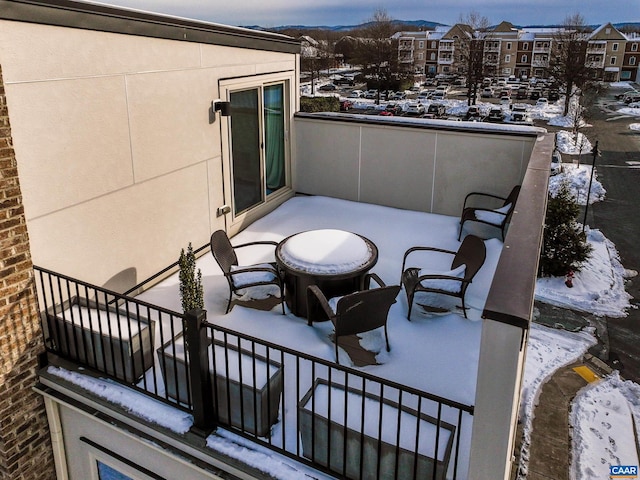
(595, 153)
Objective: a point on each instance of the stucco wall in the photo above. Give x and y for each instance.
(118, 162)
(408, 165)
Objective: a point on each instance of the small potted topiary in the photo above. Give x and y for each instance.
(191, 291)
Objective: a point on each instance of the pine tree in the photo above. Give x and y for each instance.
(564, 246)
(191, 291)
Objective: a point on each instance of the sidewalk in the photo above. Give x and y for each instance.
(550, 449)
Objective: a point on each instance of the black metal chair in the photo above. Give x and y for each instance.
(471, 254)
(356, 312)
(498, 218)
(241, 277)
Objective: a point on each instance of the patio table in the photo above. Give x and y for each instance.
(334, 260)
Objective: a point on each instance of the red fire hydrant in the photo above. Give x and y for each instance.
(569, 279)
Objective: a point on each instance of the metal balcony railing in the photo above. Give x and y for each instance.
(333, 418)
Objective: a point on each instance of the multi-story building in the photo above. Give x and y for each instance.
(412, 48)
(631, 60)
(527, 52)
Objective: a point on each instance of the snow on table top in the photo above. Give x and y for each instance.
(326, 251)
(389, 434)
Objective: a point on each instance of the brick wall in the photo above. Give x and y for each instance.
(25, 444)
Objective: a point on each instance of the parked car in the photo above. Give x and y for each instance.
(436, 110)
(393, 108)
(535, 94)
(556, 162)
(634, 105)
(399, 96)
(473, 113)
(329, 87)
(371, 94)
(631, 97)
(496, 115)
(415, 109)
(520, 114)
(344, 81)
(345, 105)
(554, 95)
(424, 94)
(487, 92)
(522, 93)
(439, 95)
(621, 96)
(542, 102)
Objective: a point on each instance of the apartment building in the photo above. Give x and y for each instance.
(527, 52)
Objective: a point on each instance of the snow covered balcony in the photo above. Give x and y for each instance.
(443, 399)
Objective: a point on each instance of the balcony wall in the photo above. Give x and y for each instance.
(424, 165)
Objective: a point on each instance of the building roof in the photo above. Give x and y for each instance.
(107, 18)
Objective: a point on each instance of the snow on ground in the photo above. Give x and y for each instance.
(578, 177)
(569, 144)
(634, 126)
(635, 111)
(598, 288)
(603, 417)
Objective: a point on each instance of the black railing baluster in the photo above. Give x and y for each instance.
(415, 456)
(362, 426)
(380, 423)
(437, 446)
(398, 426)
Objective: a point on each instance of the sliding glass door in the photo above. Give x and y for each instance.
(257, 144)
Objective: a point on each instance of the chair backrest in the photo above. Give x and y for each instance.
(472, 253)
(512, 198)
(223, 251)
(365, 310)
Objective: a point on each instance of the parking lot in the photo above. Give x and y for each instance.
(452, 105)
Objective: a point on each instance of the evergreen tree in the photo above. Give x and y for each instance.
(191, 291)
(564, 246)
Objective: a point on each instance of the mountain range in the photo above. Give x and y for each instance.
(411, 24)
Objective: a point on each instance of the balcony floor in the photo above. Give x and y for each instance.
(436, 353)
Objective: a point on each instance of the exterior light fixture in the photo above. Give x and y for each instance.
(219, 106)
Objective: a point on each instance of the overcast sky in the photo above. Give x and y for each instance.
(272, 13)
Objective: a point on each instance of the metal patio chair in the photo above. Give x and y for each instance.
(498, 218)
(241, 277)
(356, 312)
(465, 264)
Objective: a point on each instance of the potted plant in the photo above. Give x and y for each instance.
(191, 291)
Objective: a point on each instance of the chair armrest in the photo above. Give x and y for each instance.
(252, 268)
(262, 242)
(415, 249)
(482, 195)
(372, 276)
(315, 298)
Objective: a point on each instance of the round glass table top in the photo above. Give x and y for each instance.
(325, 252)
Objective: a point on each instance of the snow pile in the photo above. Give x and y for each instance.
(603, 417)
(136, 403)
(598, 287)
(578, 178)
(571, 144)
(635, 127)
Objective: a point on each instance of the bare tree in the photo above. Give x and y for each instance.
(471, 48)
(568, 63)
(377, 53)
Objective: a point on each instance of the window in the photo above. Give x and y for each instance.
(525, 46)
(433, 45)
(614, 47)
(508, 45)
(507, 58)
(634, 47)
(632, 60)
(256, 153)
(432, 56)
(625, 75)
(607, 31)
(524, 59)
(420, 56)
(613, 61)
(421, 44)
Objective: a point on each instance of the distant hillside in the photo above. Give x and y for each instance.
(405, 24)
(414, 25)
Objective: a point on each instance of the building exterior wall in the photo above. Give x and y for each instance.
(25, 447)
(399, 166)
(125, 120)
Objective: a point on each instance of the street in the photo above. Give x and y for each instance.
(617, 217)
